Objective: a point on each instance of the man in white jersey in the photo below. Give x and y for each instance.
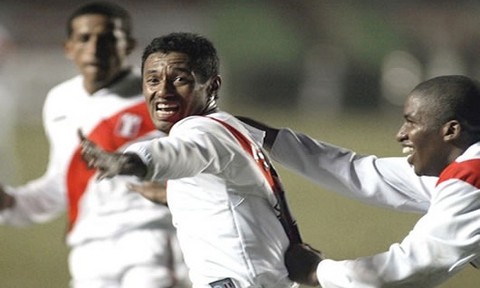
(218, 189)
(117, 237)
(439, 178)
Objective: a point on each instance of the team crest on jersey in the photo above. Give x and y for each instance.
(224, 283)
(128, 125)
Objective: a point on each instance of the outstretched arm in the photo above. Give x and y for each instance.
(111, 164)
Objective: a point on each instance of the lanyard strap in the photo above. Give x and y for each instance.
(281, 207)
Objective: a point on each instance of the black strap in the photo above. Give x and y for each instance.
(283, 212)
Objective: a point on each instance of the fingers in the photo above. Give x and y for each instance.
(94, 156)
(81, 135)
(110, 164)
(91, 153)
(103, 174)
(153, 191)
(301, 261)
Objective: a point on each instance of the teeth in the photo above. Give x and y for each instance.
(168, 107)
(407, 150)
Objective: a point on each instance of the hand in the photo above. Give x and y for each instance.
(301, 261)
(153, 191)
(111, 164)
(6, 200)
(270, 132)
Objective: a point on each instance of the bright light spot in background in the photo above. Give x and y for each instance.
(401, 72)
(445, 61)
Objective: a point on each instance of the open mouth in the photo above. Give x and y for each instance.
(408, 151)
(166, 109)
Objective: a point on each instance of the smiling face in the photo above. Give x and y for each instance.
(98, 46)
(173, 91)
(422, 138)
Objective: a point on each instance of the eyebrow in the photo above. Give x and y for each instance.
(182, 69)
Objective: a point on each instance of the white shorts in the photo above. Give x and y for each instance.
(142, 258)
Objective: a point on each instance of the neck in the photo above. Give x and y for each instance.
(211, 107)
(94, 86)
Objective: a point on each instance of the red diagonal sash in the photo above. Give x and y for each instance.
(283, 212)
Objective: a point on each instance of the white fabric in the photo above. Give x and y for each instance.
(442, 242)
(107, 210)
(219, 201)
(143, 261)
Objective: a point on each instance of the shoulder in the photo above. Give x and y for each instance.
(466, 168)
(130, 86)
(67, 86)
(208, 125)
(200, 122)
(63, 93)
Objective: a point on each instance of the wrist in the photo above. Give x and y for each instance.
(133, 165)
(6, 201)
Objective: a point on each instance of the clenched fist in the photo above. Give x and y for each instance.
(301, 261)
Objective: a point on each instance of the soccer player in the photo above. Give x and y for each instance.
(117, 238)
(440, 178)
(220, 187)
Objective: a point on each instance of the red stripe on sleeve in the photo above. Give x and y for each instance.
(467, 171)
(110, 134)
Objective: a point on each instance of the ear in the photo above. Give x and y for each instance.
(67, 49)
(214, 86)
(451, 130)
(132, 43)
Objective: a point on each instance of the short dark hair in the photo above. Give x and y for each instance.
(453, 97)
(108, 9)
(200, 50)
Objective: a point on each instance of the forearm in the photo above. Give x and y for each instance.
(382, 181)
(35, 202)
(395, 268)
(178, 157)
(441, 243)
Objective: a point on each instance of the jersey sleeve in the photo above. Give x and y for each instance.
(41, 199)
(387, 182)
(442, 242)
(37, 201)
(195, 145)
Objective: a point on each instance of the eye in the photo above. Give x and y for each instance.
(107, 39)
(180, 80)
(151, 81)
(83, 38)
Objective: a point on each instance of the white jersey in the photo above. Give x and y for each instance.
(112, 231)
(444, 240)
(221, 205)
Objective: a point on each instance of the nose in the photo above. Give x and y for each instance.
(92, 45)
(98, 47)
(162, 89)
(401, 134)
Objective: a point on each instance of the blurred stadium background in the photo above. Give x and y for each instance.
(337, 70)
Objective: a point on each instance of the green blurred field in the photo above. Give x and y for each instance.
(36, 257)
